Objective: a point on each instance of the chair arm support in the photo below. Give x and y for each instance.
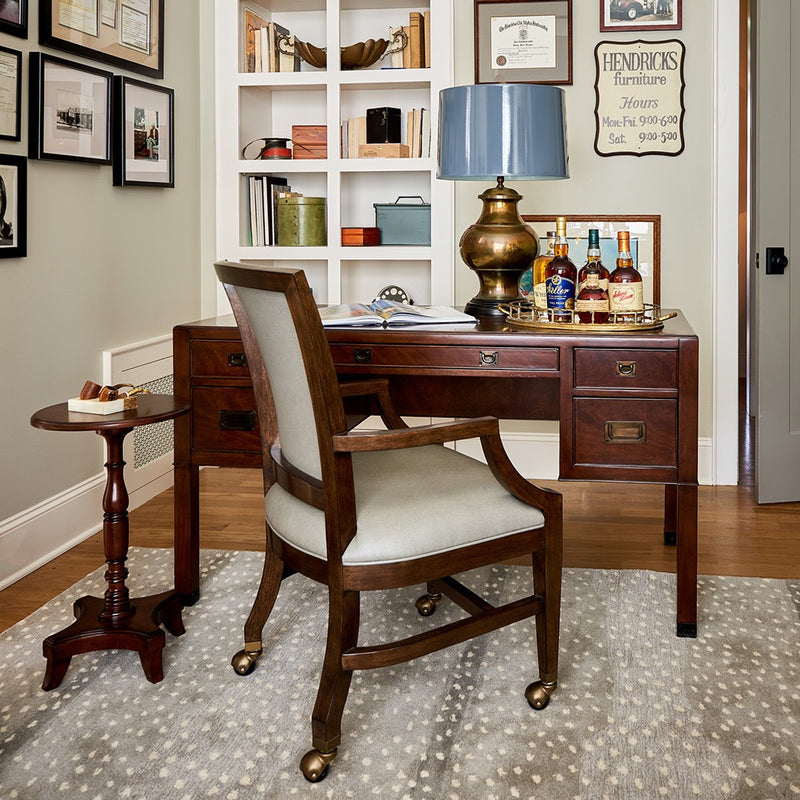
(379, 388)
(505, 472)
(398, 439)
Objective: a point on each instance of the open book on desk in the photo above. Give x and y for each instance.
(389, 312)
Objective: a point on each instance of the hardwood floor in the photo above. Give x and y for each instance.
(607, 526)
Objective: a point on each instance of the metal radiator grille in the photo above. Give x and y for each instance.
(150, 442)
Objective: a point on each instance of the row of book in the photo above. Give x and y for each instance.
(417, 53)
(261, 50)
(417, 139)
(264, 193)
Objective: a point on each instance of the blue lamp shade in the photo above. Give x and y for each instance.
(513, 130)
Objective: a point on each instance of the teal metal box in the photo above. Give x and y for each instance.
(404, 223)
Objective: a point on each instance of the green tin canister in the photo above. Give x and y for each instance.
(302, 222)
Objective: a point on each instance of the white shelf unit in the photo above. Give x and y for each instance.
(261, 105)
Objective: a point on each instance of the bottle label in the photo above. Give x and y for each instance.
(594, 304)
(625, 296)
(540, 295)
(560, 292)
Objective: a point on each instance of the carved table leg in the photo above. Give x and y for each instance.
(115, 621)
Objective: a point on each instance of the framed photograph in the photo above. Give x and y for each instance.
(143, 134)
(10, 93)
(523, 41)
(641, 15)
(14, 17)
(13, 206)
(125, 33)
(645, 242)
(70, 111)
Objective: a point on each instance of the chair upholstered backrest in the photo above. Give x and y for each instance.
(271, 320)
(289, 358)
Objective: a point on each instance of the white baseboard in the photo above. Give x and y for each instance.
(35, 536)
(39, 534)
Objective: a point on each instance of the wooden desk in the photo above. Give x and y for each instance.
(626, 405)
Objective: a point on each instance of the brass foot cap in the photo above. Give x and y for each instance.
(314, 765)
(426, 604)
(538, 694)
(245, 661)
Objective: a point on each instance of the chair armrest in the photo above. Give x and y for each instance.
(398, 439)
(379, 389)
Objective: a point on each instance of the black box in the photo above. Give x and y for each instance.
(383, 125)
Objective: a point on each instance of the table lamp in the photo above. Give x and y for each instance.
(496, 131)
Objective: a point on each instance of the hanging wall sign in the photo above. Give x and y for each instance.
(639, 98)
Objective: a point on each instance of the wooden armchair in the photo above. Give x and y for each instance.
(360, 511)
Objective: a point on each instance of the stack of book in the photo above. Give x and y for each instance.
(417, 53)
(264, 191)
(418, 132)
(261, 51)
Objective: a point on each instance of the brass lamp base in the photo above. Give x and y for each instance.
(499, 247)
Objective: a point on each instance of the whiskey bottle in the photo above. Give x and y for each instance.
(593, 256)
(560, 276)
(625, 291)
(591, 304)
(539, 265)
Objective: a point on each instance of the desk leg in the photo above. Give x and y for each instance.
(187, 532)
(686, 517)
(670, 513)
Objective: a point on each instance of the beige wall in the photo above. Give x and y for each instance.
(106, 266)
(680, 188)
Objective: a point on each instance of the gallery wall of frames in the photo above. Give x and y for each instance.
(82, 112)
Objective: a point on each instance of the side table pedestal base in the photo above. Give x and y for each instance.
(140, 632)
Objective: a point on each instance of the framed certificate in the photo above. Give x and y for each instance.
(523, 41)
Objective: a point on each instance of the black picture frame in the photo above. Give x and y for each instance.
(132, 40)
(143, 133)
(14, 18)
(11, 92)
(532, 18)
(13, 206)
(641, 15)
(70, 111)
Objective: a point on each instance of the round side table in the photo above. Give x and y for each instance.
(116, 621)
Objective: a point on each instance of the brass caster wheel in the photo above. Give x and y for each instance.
(244, 661)
(538, 694)
(426, 604)
(314, 765)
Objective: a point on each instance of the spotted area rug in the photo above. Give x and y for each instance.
(638, 713)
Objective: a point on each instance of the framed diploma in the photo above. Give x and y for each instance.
(125, 33)
(523, 41)
(10, 93)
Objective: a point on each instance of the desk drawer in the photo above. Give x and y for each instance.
(213, 358)
(225, 418)
(499, 359)
(625, 369)
(622, 432)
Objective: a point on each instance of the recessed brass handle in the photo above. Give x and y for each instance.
(626, 369)
(237, 360)
(235, 419)
(362, 355)
(625, 432)
(489, 357)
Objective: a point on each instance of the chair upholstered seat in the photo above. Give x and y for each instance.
(409, 503)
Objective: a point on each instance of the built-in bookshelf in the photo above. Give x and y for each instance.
(267, 104)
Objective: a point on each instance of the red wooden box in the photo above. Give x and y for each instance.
(309, 151)
(360, 237)
(310, 134)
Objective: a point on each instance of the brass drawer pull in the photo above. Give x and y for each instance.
(234, 419)
(626, 432)
(489, 358)
(237, 360)
(626, 369)
(362, 355)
